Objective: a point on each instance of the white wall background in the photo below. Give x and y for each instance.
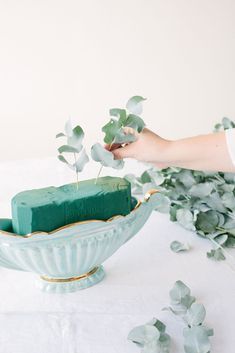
(81, 57)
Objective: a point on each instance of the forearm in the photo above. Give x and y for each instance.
(203, 152)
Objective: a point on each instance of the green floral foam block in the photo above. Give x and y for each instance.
(6, 224)
(50, 208)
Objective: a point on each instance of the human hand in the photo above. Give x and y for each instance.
(148, 147)
(203, 152)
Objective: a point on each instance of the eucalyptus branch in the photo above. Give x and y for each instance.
(183, 305)
(114, 132)
(75, 161)
(152, 338)
(74, 146)
(101, 167)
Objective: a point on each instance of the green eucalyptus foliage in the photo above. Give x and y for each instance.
(200, 201)
(115, 134)
(196, 335)
(216, 254)
(74, 137)
(124, 118)
(99, 154)
(151, 337)
(224, 125)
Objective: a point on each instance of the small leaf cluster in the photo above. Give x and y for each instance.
(115, 132)
(224, 125)
(196, 334)
(200, 201)
(105, 157)
(121, 118)
(74, 137)
(151, 337)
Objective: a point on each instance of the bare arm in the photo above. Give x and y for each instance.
(204, 152)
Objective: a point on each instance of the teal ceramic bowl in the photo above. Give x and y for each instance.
(70, 258)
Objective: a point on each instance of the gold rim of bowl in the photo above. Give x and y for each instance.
(70, 279)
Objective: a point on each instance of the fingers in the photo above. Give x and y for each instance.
(117, 150)
(120, 150)
(123, 152)
(129, 130)
(112, 146)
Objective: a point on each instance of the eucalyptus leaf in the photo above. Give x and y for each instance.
(158, 324)
(145, 177)
(60, 134)
(162, 203)
(177, 246)
(173, 211)
(62, 159)
(105, 157)
(179, 291)
(228, 187)
(196, 314)
(216, 254)
(229, 224)
(120, 114)
(81, 161)
(134, 104)
(207, 221)
(110, 130)
(181, 299)
(187, 178)
(136, 186)
(196, 340)
(76, 137)
(69, 149)
(156, 177)
(230, 243)
(229, 177)
(214, 201)
(151, 337)
(228, 200)
(68, 127)
(201, 190)
(218, 127)
(121, 137)
(221, 239)
(144, 334)
(227, 123)
(185, 218)
(135, 122)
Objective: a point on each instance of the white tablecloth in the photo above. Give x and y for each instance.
(136, 287)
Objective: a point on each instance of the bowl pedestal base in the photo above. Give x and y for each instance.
(72, 284)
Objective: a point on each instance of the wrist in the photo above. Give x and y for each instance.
(167, 153)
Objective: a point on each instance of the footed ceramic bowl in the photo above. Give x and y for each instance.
(70, 258)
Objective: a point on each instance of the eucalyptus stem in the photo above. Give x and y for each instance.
(98, 174)
(75, 159)
(102, 166)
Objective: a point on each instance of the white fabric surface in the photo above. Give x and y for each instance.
(135, 289)
(230, 140)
